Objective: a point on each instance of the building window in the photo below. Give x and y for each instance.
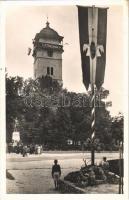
(48, 70)
(50, 52)
(51, 70)
(69, 142)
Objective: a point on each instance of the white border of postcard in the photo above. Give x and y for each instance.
(3, 194)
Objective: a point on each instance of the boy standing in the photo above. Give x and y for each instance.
(56, 173)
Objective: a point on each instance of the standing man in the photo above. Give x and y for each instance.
(56, 173)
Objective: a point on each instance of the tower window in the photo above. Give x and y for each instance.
(51, 70)
(50, 52)
(48, 70)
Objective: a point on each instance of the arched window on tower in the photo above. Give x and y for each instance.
(48, 70)
(51, 70)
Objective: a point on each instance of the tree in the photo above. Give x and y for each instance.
(13, 103)
(117, 128)
(51, 115)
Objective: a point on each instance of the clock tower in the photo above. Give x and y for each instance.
(47, 53)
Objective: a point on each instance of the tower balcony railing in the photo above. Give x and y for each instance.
(48, 45)
(41, 46)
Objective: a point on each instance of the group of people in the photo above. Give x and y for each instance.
(102, 171)
(31, 149)
(56, 169)
(24, 149)
(103, 166)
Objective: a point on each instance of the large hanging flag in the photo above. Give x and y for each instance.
(92, 32)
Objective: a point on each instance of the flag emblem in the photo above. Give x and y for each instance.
(92, 50)
(92, 33)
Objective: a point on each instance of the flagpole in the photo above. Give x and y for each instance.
(92, 124)
(92, 45)
(121, 168)
(92, 101)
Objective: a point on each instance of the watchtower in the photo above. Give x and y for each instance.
(47, 53)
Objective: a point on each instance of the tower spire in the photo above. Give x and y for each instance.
(47, 23)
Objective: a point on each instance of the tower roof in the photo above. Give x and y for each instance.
(48, 33)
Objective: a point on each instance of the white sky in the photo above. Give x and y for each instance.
(23, 22)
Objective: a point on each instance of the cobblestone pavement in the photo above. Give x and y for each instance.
(33, 173)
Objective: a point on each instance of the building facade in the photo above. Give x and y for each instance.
(47, 53)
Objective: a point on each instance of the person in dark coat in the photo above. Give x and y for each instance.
(56, 173)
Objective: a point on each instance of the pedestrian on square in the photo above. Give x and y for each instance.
(38, 149)
(56, 173)
(24, 151)
(105, 165)
(28, 150)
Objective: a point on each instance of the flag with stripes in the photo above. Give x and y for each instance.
(92, 33)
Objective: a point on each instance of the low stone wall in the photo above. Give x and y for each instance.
(114, 166)
(69, 188)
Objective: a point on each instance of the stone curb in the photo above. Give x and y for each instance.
(68, 187)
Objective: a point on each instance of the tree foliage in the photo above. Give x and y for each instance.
(51, 115)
